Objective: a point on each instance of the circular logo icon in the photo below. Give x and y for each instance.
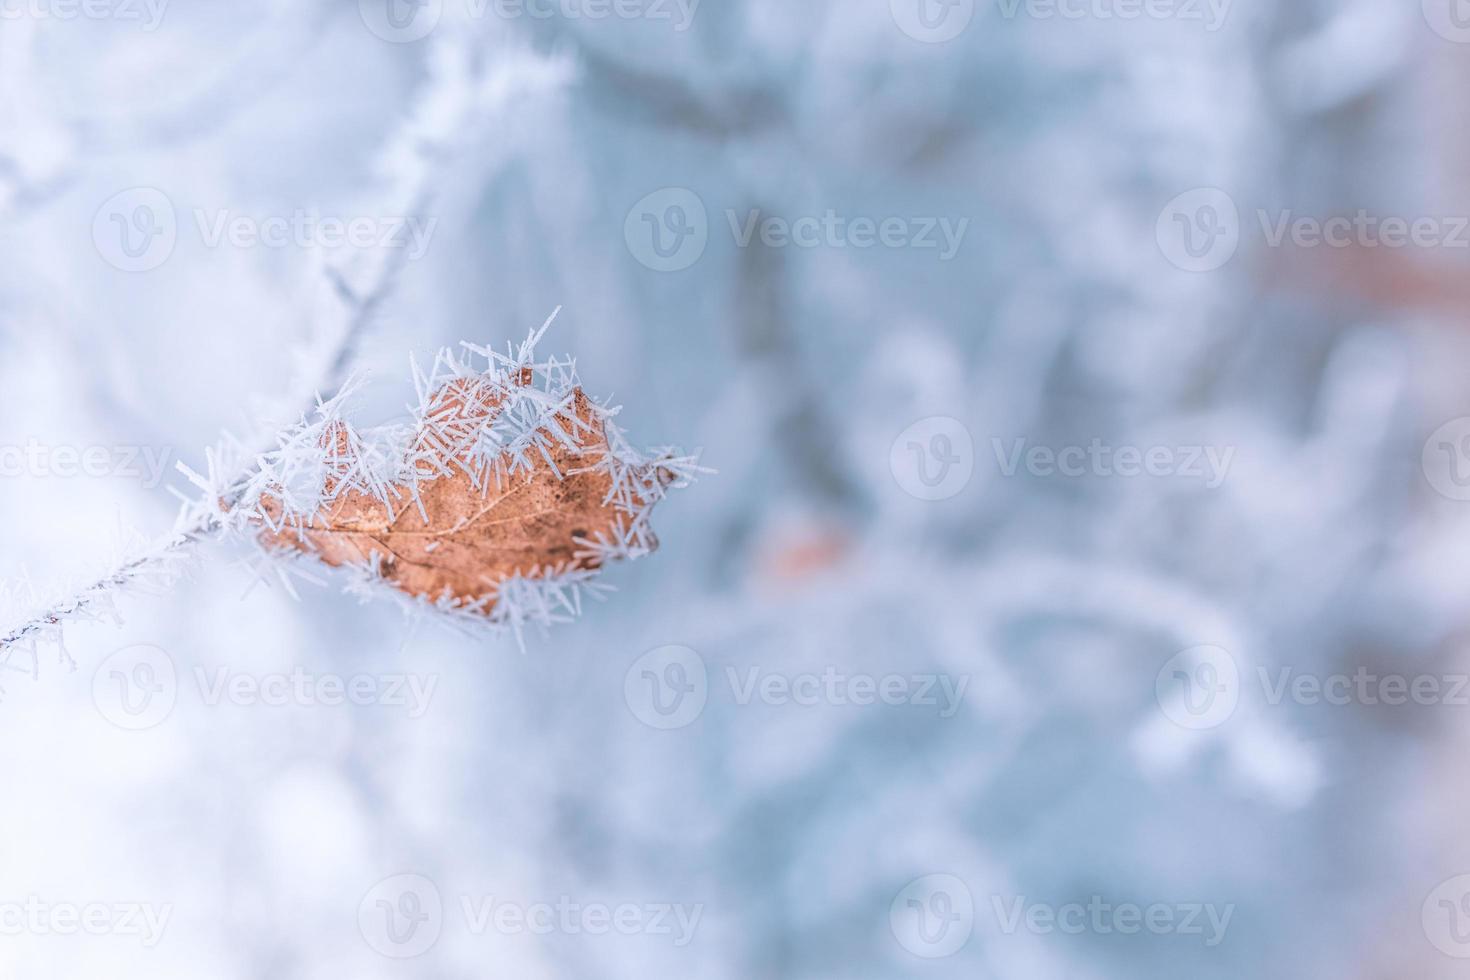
(401, 21)
(934, 458)
(1199, 688)
(1446, 917)
(933, 916)
(668, 230)
(401, 917)
(667, 687)
(1450, 19)
(932, 21)
(1199, 231)
(136, 230)
(1446, 459)
(136, 687)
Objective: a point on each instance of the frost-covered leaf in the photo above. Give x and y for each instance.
(465, 526)
(507, 493)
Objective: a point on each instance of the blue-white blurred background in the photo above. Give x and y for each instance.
(1059, 435)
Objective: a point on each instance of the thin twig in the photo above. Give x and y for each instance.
(200, 522)
(205, 523)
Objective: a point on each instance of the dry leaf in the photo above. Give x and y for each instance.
(508, 493)
(461, 532)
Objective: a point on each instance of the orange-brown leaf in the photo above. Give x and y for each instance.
(460, 529)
